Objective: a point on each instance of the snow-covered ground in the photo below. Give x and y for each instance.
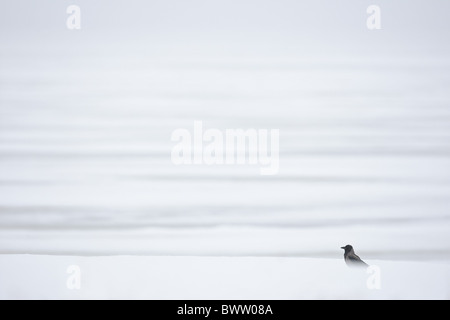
(187, 278)
(86, 119)
(89, 173)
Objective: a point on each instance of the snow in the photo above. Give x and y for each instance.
(86, 176)
(245, 278)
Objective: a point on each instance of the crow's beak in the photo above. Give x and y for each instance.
(343, 248)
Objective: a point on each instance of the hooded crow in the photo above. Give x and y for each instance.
(351, 259)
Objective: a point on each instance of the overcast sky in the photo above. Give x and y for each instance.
(254, 27)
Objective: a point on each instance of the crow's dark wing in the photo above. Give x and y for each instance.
(353, 258)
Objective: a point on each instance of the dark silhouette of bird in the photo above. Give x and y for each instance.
(351, 259)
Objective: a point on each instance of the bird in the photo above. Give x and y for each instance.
(351, 259)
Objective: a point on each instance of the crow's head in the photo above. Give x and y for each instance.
(347, 248)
